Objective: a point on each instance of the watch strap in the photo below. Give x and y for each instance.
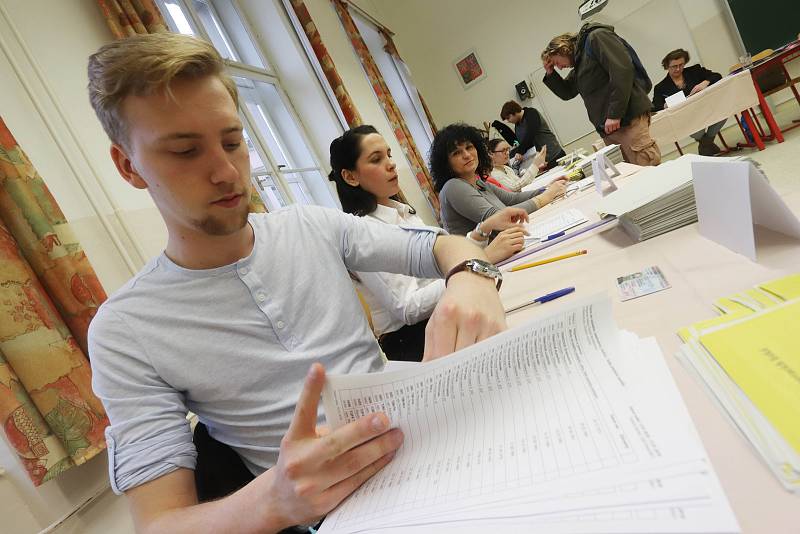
(466, 265)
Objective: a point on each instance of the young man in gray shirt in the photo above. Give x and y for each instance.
(242, 313)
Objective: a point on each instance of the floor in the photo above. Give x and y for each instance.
(780, 162)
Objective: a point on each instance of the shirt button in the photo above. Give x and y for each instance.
(243, 271)
(261, 297)
(280, 325)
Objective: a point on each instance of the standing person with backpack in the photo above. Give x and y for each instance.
(610, 78)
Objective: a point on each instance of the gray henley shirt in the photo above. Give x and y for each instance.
(233, 344)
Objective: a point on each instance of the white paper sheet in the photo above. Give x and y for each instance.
(548, 418)
(677, 98)
(748, 200)
(561, 221)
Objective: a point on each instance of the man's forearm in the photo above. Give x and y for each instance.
(246, 511)
(450, 250)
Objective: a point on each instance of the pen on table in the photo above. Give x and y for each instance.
(541, 246)
(553, 236)
(548, 238)
(544, 298)
(548, 260)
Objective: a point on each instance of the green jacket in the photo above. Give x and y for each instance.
(604, 78)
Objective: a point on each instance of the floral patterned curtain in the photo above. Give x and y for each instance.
(131, 17)
(401, 131)
(48, 295)
(126, 18)
(346, 104)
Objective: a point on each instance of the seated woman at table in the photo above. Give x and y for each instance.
(458, 159)
(504, 175)
(366, 181)
(690, 80)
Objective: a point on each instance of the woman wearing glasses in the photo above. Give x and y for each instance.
(459, 159)
(499, 150)
(690, 80)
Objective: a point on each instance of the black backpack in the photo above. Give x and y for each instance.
(640, 77)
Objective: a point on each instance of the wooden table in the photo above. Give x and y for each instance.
(699, 272)
(728, 97)
(776, 60)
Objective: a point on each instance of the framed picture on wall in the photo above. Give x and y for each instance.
(469, 68)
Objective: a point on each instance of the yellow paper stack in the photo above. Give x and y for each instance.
(749, 358)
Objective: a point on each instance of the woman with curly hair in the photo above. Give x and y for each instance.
(458, 159)
(367, 183)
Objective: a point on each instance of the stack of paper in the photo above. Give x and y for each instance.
(561, 425)
(749, 358)
(658, 200)
(560, 222)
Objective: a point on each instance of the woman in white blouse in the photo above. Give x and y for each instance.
(505, 175)
(366, 180)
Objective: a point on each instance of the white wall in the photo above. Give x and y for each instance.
(508, 37)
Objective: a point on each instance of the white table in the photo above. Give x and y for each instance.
(699, 271)
(731, 95)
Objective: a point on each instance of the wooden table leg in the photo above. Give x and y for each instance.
(773, 126)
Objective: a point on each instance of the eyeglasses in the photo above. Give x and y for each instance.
(676, 67)
(505, 150)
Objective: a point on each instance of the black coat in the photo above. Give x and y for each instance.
(691, 76)
(533, 131)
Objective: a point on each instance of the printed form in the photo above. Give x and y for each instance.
(535, 424)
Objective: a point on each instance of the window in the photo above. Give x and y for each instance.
(283, 167)
(398, 80)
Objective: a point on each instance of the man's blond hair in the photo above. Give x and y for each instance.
(144, 64)
(561, 45)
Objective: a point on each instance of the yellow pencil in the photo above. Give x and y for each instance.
(548, 260)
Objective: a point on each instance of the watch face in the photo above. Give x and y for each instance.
(485, 268)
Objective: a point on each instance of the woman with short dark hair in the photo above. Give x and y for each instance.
(458, 161)
(690, 80)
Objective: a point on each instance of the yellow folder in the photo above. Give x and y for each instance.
(761, 353)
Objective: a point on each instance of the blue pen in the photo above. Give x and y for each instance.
(553, 236)
(545, 298)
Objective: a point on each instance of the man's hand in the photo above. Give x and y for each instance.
(699, 87)
(503, 219)
(468, 312)
(612, 125)
(318, 468)
(540, 159)
(506, 244)
(548, 65)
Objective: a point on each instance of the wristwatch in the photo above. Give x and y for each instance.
(479, 267)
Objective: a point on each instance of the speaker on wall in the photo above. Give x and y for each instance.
(523, 91)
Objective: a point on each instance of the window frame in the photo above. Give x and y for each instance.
(277, 173)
